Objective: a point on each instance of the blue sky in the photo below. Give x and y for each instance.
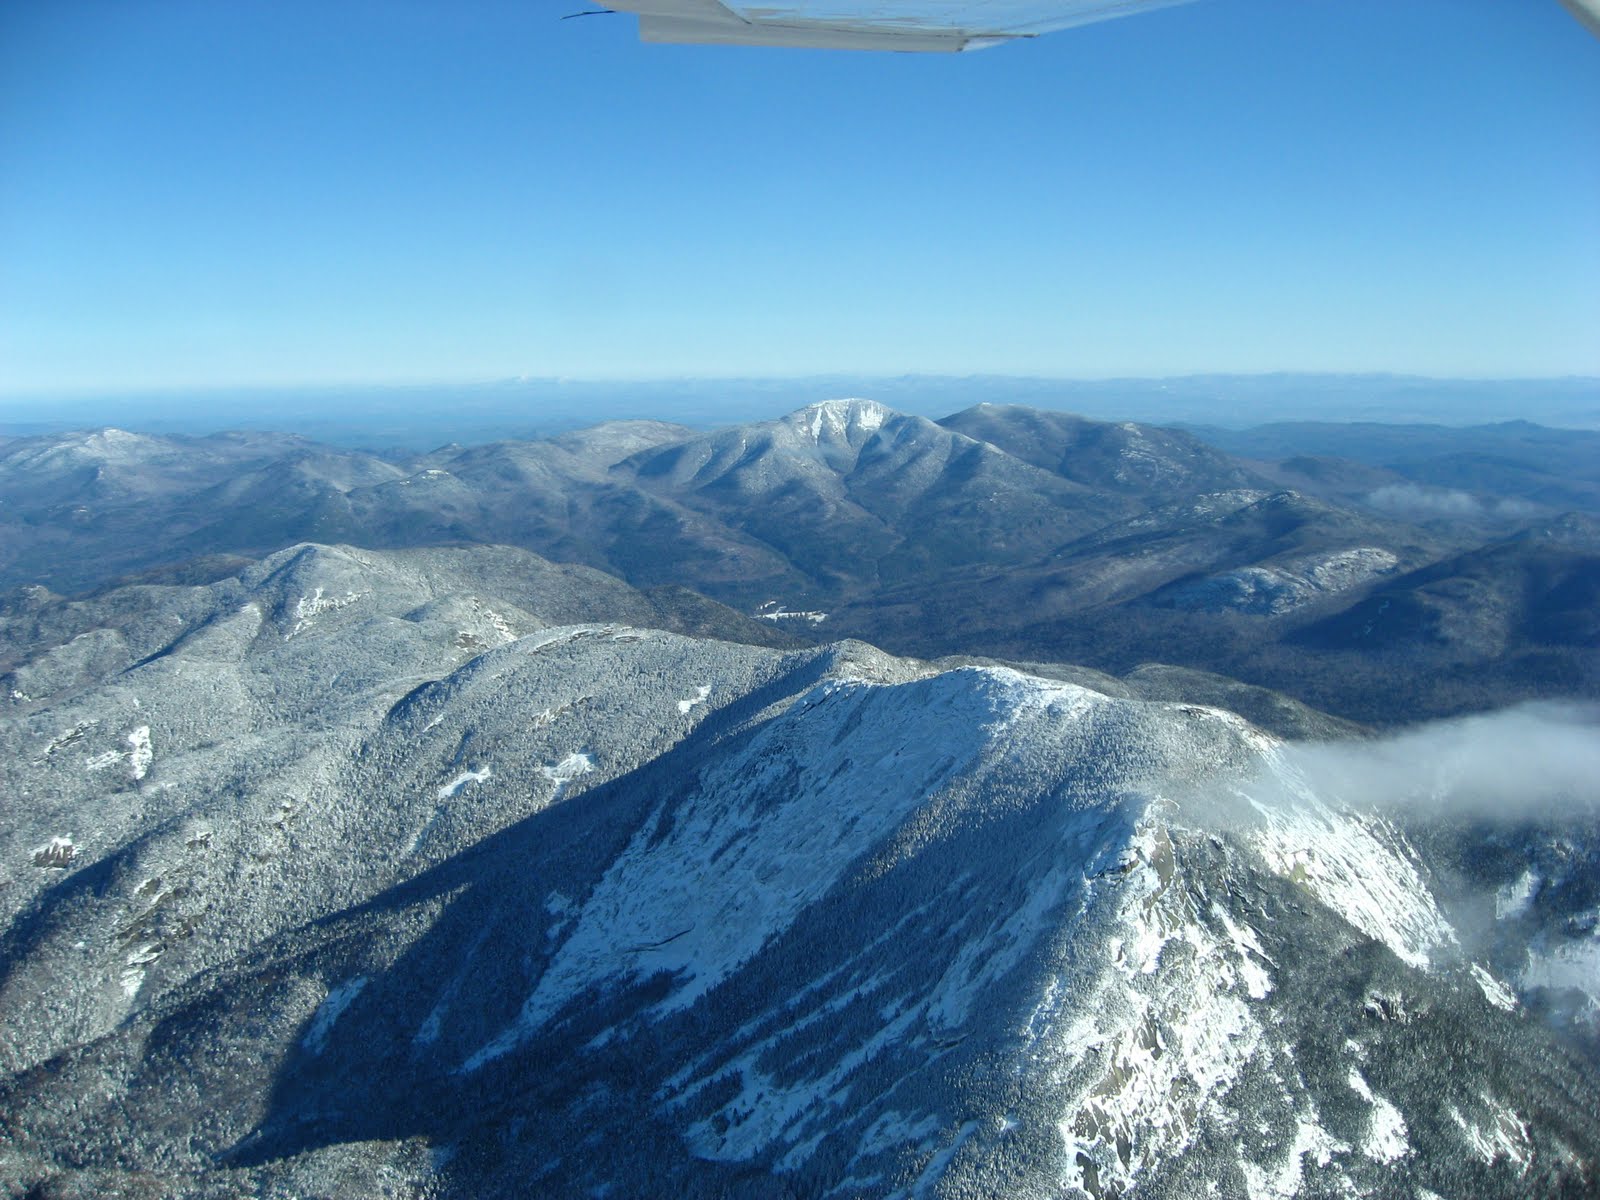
(199, 194)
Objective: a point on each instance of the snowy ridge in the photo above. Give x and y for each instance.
(1151, 987)
(100, 448)
(1283, 587)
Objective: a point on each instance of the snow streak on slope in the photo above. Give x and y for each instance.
(1386, 1134)
(329, 1011)
(688, 704)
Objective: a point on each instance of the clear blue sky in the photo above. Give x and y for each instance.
(200, 193)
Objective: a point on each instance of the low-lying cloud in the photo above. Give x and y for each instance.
(1534, 761)
(1414, 500)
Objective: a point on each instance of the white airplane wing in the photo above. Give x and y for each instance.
(1587, 11)
(947, 25)
(868, 24)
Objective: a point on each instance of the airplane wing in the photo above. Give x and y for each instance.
(921, 25)
(926, 25)
(1587, 11)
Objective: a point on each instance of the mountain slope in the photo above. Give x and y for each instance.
(1147, 461)
(77, 509)
(479, 596)
(606, 908)
(855, 495)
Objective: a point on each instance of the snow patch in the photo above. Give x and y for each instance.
(986, 957)
(308, 608)
(1504, 1136)
(767, 1110)
(1310, 1140)
(1386, 1139)
(1258, 983)
(940, 1162)
(75, 734)
(569, 768)
(132, 976)
(895, 1128)
(461, 781)
(838, 417)
(1512, 899)
(140, 755)
(699, 697)
(329, 1011)
(562, 774)
(498, 622)
(57, 852)
(1494, 991)
(774, 611)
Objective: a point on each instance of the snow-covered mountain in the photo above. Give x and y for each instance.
(363, 882)
(1001, 530)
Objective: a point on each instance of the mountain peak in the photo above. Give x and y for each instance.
(838, 419)
(95, 446)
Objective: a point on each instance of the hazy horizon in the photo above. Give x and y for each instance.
(420, 416)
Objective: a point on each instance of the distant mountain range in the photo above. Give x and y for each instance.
(416, 418)
(1423, 471)
(1432, 570)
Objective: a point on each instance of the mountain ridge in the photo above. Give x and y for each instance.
(1046, 538)
(820, 919)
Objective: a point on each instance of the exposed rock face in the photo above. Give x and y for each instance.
(379, 884)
